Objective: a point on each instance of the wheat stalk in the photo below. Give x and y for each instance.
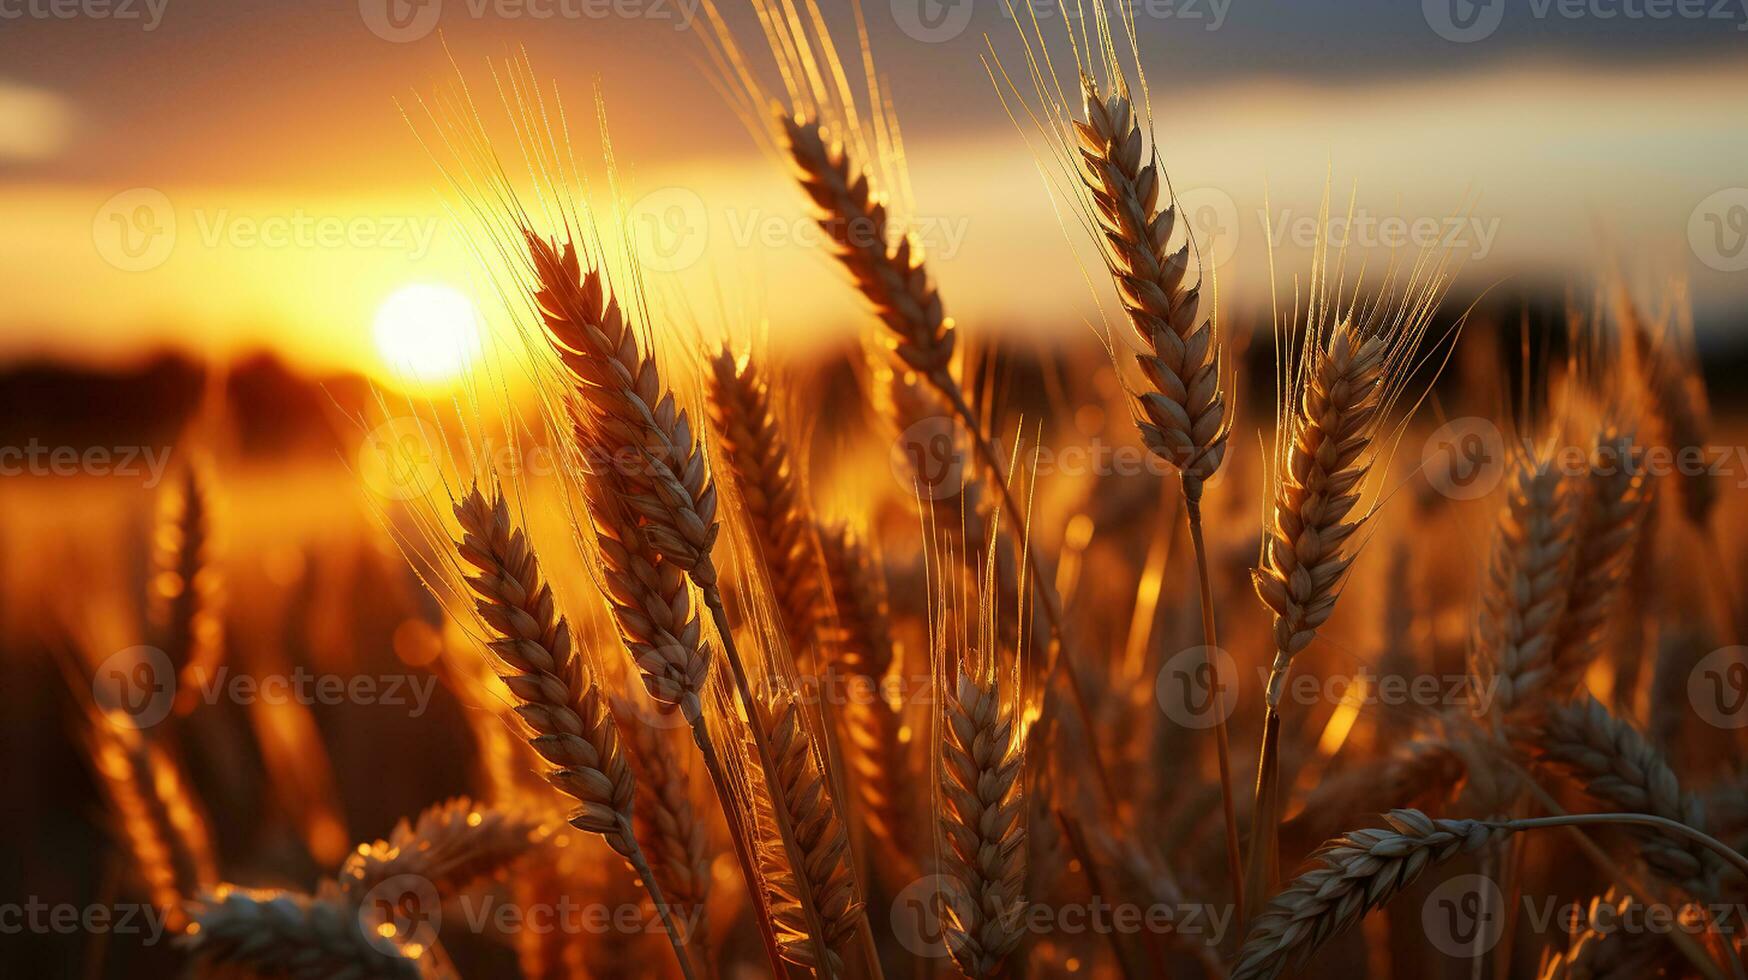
(1342, 395)
(1182, 412)
(278, 933)
(653, 503)
(568, 719)
(982, 822)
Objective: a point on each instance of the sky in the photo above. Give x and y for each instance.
(222, 175)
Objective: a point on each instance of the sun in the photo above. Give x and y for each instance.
(427, 333)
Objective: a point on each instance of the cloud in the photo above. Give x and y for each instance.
(34, 124)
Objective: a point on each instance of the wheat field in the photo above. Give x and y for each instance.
(1383, 632)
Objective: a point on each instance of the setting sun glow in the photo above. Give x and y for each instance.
(426, 333)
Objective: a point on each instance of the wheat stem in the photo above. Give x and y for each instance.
(1210, 643)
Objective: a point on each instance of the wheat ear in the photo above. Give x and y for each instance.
(770, 488)
(568, 720)
(1306, 550)
(451, 845)
(982, 821)
(1524, 600)
(1618, 768)
(1182, 412)
(181, 618)
(666, 818)
(653, 503)
(875, 751)
(157, 814)
(276, 933)
(1610, 519)
(825, 848)
(896, 282)
(1610, 953)
(1364, 869)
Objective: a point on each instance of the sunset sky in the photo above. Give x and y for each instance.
(226, 175)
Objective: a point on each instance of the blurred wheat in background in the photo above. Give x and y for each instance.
(1383, 626)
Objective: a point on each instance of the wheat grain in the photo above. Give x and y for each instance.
(1617, 767)
(1182, 413)
(823, 845)
(1606, 950)
(1355, 873)
(1615, 500)
(1528, 588)
(182, 619)
(451, 845)
(568, 719)
(284, 934)
(770, 489)
(982, 821)
(876, 751)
